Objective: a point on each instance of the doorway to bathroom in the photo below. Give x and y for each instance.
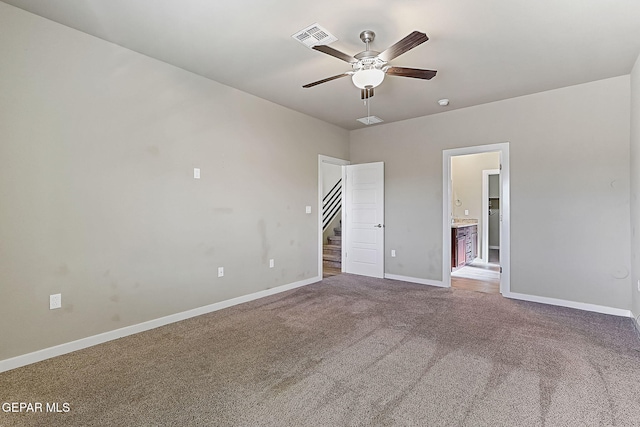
(476, 226)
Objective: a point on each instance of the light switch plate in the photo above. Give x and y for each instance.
(308, 209)
(196, 173)
(220, 271)
(393, 252)
(271, 263)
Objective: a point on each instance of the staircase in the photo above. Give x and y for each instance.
(332, 254)
(332, 251)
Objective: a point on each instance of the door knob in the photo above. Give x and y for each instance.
(378, 226)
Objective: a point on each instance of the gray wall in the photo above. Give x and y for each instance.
(97, 196)
(569, 152)
(635, 186)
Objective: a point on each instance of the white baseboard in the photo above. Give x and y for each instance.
(58, 350)
(415, 280)
(570, 304)
(636, 319)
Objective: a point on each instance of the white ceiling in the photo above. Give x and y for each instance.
(483, 51)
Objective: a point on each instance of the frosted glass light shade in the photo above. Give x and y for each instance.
(372, 77)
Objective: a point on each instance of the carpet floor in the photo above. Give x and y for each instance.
(350, 351)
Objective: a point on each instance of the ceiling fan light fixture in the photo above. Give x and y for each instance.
(371, 77)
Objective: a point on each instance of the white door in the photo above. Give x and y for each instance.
(364, 218)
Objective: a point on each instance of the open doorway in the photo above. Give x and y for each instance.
(351, 217)
(470, 261)
(330, 215)
(490, 252)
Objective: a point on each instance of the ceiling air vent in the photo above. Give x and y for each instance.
(314, 35)
(370, 120)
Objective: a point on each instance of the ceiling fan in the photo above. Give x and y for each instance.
(369, 67)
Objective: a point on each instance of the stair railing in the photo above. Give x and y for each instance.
(331, 204)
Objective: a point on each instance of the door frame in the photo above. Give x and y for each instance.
(332, 161)
(505, 208)
(485, 212)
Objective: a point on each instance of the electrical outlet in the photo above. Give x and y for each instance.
(393, 253)
(271, 263)
(55, 301)
(307, 209)
(220, 271)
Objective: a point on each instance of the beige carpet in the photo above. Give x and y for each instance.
(350, 351)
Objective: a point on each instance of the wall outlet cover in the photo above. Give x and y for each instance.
(55, 301)
(220, 271)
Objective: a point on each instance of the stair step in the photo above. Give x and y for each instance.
(335, 240)
(332, 257)
(333, 264)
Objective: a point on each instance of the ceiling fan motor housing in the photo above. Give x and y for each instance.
(368, 62)
(367, 36)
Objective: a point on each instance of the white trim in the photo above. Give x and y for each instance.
(485, 212)
(343, 253)
(570, 304)
(447, 218)
(494, 247)
(415, 280)
(58, 350)
(332, 161)
(636, 318)
(505, 227)
(531, 298)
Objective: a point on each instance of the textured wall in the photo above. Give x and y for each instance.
(98, 201)
(569, 154)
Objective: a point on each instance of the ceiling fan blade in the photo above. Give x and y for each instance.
(328, 79)
(406, 44)
(335, 53)
(416, 73)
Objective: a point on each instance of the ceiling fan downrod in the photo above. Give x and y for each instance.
(367, 36)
